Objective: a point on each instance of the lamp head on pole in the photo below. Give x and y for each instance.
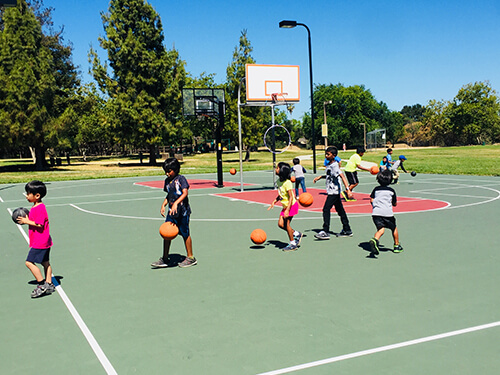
(286, 24)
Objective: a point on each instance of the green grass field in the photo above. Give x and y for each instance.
(470, 160)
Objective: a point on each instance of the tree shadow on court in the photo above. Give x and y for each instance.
(366, 247)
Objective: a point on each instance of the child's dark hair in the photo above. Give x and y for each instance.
(284, 171)
(296, 161)
(360, 150)
(384, 177)
(332, 150)
(172, 164)
(36, 187)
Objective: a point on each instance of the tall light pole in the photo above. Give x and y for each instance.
(325, 124)
(290, 25)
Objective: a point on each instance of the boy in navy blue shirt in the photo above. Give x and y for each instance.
(383, 198)
(179, 211)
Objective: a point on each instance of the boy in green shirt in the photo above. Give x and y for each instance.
(351, 173)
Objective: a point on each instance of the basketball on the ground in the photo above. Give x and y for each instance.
(292, 178)
(19, 212)
(232, 171)
(169, 230)
(306, 199)
(258, 236)
(413, 173)
(374, 170)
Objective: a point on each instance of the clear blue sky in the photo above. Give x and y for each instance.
(404, 52)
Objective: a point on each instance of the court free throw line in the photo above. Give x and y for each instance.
(381, 349)
(106, 364)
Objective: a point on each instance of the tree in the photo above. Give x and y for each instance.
(438, 123)
(37, 79)
(144, 89)
(412, 113)
(252, 120)
(475, 114)
(27, 83)
(351, 106)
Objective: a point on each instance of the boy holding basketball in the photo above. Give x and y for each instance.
(333, 176)
(179, 211)
(40, 239)
(351, 173)
(383, 199)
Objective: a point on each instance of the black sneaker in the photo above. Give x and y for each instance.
(374, 246)
(398, 249)
(345, 233)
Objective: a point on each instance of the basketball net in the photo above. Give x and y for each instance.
(280, 99)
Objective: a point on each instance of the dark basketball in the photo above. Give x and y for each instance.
(19, 212)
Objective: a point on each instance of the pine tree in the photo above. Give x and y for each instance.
(144, 88)
(27, 85)
(37, 79)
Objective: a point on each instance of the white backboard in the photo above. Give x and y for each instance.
(262, 81)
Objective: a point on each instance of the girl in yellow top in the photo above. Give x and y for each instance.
(289, 203)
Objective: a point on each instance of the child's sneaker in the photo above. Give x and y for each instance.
(398, 248)
(290, 247)
(374, 246)
(345, 233)
(188, 262)
(50, 288)
(39, 291)
(344, 195)
(159, 264)
(322, 235)
(298, 238)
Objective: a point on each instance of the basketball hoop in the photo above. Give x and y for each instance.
(202, 116)
(280, 99)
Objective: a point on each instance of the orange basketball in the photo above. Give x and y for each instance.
(232, 171)
(374, 170)
(258, 236)
(169, 230)
(306, 199)
(292, 178)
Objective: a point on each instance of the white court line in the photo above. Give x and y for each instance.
(106, 364)
(381, 349)
(162, 219)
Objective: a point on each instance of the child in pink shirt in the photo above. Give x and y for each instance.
(40, 240)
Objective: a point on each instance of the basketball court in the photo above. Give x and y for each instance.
(328, 308)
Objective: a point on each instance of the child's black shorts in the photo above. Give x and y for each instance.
(352, 177)
(388, 222)
(38, 255)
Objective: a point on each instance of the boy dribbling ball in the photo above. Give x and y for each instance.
(179, 211)
(383, 198)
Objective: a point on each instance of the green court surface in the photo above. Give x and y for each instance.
(328, 308)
